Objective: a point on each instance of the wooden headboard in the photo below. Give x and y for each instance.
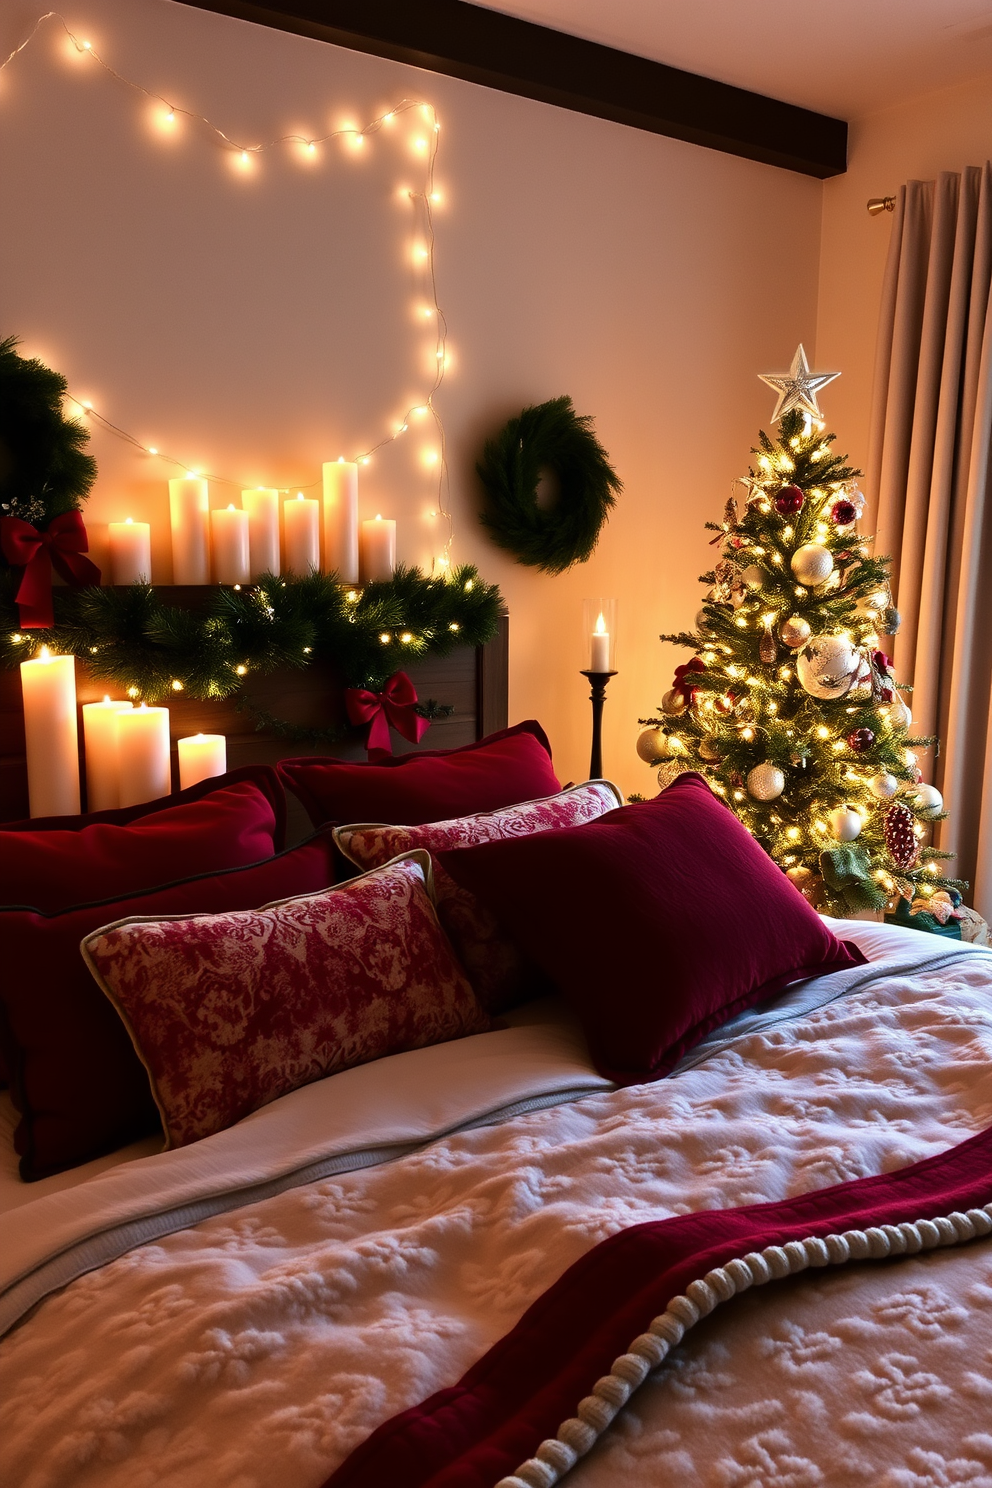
(472, 682)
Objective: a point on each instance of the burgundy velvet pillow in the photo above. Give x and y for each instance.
(230, 1011)
(658, 922)
(49, 865)
(431, 785)
(75, 1078)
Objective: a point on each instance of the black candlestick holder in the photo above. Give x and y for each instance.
(597, 681)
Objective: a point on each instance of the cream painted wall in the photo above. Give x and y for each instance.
(946, 130)
(255, 325)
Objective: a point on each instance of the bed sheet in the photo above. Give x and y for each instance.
(261, 1345)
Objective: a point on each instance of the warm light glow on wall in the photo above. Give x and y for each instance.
(245, 158)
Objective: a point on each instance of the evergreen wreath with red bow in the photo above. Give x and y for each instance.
(45, 476)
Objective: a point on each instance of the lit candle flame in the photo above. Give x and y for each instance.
(601, 625)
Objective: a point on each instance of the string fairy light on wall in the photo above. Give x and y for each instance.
(244, 155)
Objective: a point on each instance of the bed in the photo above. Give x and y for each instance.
(250, 1308)
(492, 1260)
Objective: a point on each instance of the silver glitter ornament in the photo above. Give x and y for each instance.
(828, 667)
(812, 564)
(765, 782)
(845, 823)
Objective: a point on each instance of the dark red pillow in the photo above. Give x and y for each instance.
(53, 862)
(75, 1078)
(658, 922)
(431, 785)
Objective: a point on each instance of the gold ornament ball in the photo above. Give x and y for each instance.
(650, 745)
(765, 782)
(753, 577)
(812, 564)
(897, 713)
(670, 748)
(703, 622)
(709, 750)
(803, 878)
(674, 703)
(795, 631)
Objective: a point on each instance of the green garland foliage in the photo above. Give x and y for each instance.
(135, 643)
(43, 469)
(549, 436)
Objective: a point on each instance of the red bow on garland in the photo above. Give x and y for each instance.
(62, 544)
(393, 705)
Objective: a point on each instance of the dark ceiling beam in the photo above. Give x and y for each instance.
(515, 56)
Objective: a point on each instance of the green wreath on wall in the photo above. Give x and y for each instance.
(44, 471)
(549, 436)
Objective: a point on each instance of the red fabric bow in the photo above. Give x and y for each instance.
(393, 705)
(62, 544)
(682, 674)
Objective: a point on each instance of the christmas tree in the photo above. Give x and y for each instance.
(789, 706)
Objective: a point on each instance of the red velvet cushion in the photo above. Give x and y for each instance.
(75, 1077)
(410, 789)
(500, 976)
(230, 1011)
(50, 865)
(658, 922)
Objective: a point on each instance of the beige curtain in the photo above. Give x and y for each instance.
(929, 468)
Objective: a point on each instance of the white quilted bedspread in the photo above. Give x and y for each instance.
(256, 1349)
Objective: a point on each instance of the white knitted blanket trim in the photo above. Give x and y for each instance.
(556, 1456)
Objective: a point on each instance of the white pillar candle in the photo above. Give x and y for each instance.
(189, 510)
(301, 535)
(130, 552)
(229, 546)
(200, 757)
(101, 753)
(48, 688)
(341, 519)
(378, 549)
(262, 506)
(599, 660)
(143, 750)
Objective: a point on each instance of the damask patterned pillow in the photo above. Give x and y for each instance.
(230, 1011)
(497, 969)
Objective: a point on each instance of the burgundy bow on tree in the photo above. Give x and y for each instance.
(62, 544)
(683, 674)
(393, 705)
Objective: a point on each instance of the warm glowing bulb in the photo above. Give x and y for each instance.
(240, 670)
(177, 686)
(793, 834)
(822, 733)
(244, 157)
(311, 148)
(152, 450)
(87, 46)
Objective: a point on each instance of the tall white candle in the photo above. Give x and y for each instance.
(189, 510)
(301, 534)
(48, 688)
(101, 753)
(262, 506)
(201, 756)
(341, 519)
(599, 660)
(130, 552)
(143, 749)
(229, 546)
(378, 549)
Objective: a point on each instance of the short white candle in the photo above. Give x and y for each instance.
(262, 506)
(229, 546)
(378, 549)
(101, 753)
(599, 660)
(341, 519)
(301, 535)
(48, 688)
(189, 510)
(200, 757)
(143, 749)
(130, 552)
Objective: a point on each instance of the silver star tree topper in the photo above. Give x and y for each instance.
(797, 388)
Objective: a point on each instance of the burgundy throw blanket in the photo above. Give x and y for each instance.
(480, 1430)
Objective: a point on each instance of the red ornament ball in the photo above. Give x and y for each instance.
(843, 513)
(788, 500)
(860, 740)
(900, 839)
